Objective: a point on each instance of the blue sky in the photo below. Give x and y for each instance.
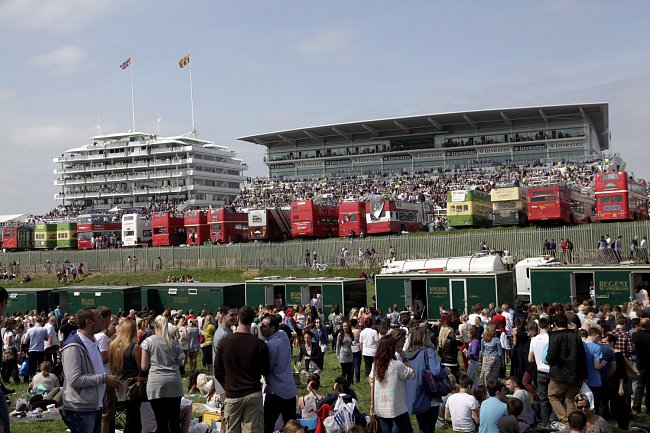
(262, 66)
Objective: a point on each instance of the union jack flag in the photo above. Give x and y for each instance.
(126, 63)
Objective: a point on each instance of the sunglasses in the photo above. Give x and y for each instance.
(582, 407)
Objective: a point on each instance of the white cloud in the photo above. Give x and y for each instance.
(327, 42)
(50, 138)
(64, 59)
(54, 15)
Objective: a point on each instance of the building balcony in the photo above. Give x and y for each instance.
(138, 164)
(161, 175)
(95, 179)
(138, 176)
(92, 194)
(142, 191)
(69, 170)
(120, 178)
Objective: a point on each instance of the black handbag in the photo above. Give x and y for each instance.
(433, 386)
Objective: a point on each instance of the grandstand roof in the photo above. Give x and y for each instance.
(13, 217)
(596, 113)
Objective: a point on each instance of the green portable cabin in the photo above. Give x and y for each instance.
(45, 236)
(117, 298)
(460, 290)
(347, 293)
(21, 300)
(66, 235)
(613, 284)
(199, 296)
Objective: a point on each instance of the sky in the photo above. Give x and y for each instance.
(261, 66)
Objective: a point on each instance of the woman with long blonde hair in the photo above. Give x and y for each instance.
(162, 357)
(124, 356)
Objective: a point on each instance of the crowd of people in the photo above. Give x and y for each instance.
(497, 369)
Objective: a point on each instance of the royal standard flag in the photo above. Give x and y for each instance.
(184, 61)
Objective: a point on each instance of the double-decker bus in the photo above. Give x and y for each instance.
(468, 208)
(509, 205)
(66, 235)
(45, 236)
(352, 219)
(17, 238)
(168, 229)
(227, 225)
(196, 227)
(388, 216)
(91, 226)
(314, 220)
(620, 198)
(136, 230)
(273, 224)
(559, 204)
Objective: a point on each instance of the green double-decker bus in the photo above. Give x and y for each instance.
(470, 208)
(66, 235)
(45, 236)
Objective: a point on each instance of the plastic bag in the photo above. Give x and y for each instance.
(584, 389)
(24, 368)
(341, 418)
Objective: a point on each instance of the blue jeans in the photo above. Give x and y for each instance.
(4, 413)
(402, 422)
(427, 419)
(356, 360)
(546, 412)
(82, 421)
(472, 372)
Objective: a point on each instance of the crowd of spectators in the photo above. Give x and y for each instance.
(430, 187)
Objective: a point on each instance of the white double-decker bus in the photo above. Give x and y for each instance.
(136, 231)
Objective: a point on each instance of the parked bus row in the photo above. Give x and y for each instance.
(617, 198)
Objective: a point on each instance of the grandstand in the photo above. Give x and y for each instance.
(485, 138)
(133, 170)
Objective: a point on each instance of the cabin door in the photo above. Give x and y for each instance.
(582, 281)
(458, 295)
(419, 297)
(408, 294)
(276, 296)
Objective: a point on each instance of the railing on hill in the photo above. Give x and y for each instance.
(521, 243)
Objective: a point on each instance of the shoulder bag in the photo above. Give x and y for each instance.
(433, 386)
(373, 424)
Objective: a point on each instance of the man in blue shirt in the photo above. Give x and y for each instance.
(280, 387)
(494, 408)
(595, 362)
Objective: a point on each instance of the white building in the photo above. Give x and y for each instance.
(133, 169)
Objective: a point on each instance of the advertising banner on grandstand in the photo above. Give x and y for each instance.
(400, 157)
(528, 147)
(368, 160)
(334, 162)
(493, 150)
(428, 155)
(309, 164)
(282, 166)
(567, 145)
(460, 153)
(458, 196)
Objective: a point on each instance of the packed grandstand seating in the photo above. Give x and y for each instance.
(430, 186)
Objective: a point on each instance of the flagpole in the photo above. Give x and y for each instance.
(192, 101)
(132, 99)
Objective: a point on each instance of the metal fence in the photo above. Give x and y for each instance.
(521, 243)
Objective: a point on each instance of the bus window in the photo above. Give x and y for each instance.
(543, 198)
(465, 208)
(617, 199)
(604, 199)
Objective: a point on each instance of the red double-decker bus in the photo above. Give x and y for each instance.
(17, 238)
(227, 225)
(93, 226)
(352, 219)
(388, 216)
(559, 204)
(313, 220)
(168, 229)
(197, 227)
(273, 224)
(620, 198)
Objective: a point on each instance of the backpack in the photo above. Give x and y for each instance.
(545, 354)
